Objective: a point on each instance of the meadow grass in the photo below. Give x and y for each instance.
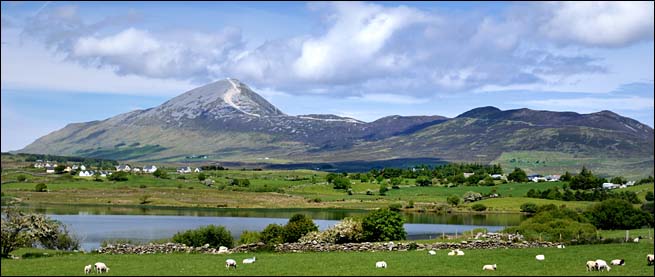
(510, 262)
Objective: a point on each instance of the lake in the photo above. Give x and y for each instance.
(94, 224)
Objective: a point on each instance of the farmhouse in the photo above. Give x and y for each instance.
(50, 169)
(197, 170)
(123, 167)
(184, 169)
(149, 169)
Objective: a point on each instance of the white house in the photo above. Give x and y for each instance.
(123, 167)
(136, 169)
(39, 165)
(184, 169)
(82, 167)
(67, 169)
(468, 174)
(496, 176)
(553, 178)
(610, 186)
(197, 170)
(85, 173)
(50, 169)
(150, 169)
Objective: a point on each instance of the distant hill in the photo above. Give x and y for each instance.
(227, 121)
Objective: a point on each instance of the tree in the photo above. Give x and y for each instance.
(119, 176)
(60, 169)
(566, 177)
(272, 234)
(341, 183)
(518, 175)
(330, 177)
(529, 208)
(298, 226)
(649, 196)
(617, 214)
(21, 178)
(40, 187)
(618, 180)
(20, 229)
(201, 177)
(383, 189)
(160, 174)
(423, 181)
(488, 181)
(453, 200)
(383, 225)
(585, 180)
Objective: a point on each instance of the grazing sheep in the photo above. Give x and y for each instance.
(489, 267)
(601, 264)
(561, 246)
(591, 265)
(381, 264)
(230, 263)
(651, 259)
(618, 262)
(100, 267)
(460, 252)
(452, 253)
(432, 252)
(540, 257)
(249, 261)
(636, 240)
(87, 269)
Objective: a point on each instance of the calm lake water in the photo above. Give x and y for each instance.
(94, 224)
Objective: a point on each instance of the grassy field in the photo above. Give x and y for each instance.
(510, 262)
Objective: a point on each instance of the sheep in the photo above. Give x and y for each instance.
(381, 264)
(561, 246)
(489, 267)
(540, 257)
(249, 261)
(460, 252)
(230, 263)
(617, 262)
(87, 269)
(636, 240)
(100, 267)
(591, 265)
(452, 253)
(601, 264)
(432, 252)
(651, 259)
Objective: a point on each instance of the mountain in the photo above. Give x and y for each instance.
(227, 121)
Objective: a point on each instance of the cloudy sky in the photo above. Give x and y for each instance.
(65, 62)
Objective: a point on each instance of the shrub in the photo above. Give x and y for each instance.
(618, 214)
(240, 182)
(518, 175)
(423, 181)
(453, 200)
(248, 237)
(550, 222)
(341, 183)
(119, 176)
(272, 234)
(395, 207)
(298, 225)
(60, 240)
(181, 177)
(347, 230)
(383, 189)
(369, 192)
(479, 207)
(529, 207)
(410, 204)
(215, 236)
(649, 196)
(142, 186)
(40, 187)
(383, 225)
(144, 199)
(21, 178)
(202, 177)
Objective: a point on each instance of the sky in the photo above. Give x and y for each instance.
(67, 62)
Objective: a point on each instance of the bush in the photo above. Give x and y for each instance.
(240, 182)
(61, 240)
(248, 237)
(453, 200)
(529, 207)
(202, 177)
(215, 236)
(21, 178)
(181, 177)
(272, 234)
(119, 176)
(518, 175)
(143, 186)
(479, 207)
(144, 199)
(423, 181)
(410, 204)
(298, 225)
(341, 183)
(550, 222)
(40, 187)
(395, 207)
(383, 189)
(618, 214)
(383, 225)
(649, 196)
(347, 230)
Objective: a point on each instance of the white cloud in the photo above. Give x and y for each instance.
(605, 24)
(128, 42)
(389, 98)
(590, 104)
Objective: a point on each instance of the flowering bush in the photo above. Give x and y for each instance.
(347, 230)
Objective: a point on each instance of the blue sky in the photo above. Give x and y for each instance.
(65, 62)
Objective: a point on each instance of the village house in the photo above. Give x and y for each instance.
(50, 169)
(184, 169)
(150, 169)
(123, 167)
(197, 170)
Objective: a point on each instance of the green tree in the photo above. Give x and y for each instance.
(566, 177)
(453, 200)
(615, 214)
(649, 196)
(40, 187)
(479, 207)
(215, 236)
(341, 183)
(248, 237)
(529, 208)
(518, 175)
(383, 189)
(298, 226)
(21, 178)
(118, 176)
(618, 180)
(585, 180)
(59, 169)
(423, 181)
(272, 234)
(201, 177)
(383, 225)
(488, 181)
(159, 173)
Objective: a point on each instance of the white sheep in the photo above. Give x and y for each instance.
(381, 264)
(489, 267)
(432, 252)
(561, 246)
(230, 263)
(87, 269)
(249, 261)
(617, 262)
(460, 252)
(601, 264)
(636, 240)
(591, 265)
(540, 257)
(100, 267)
(452, 253)
(650, 258)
